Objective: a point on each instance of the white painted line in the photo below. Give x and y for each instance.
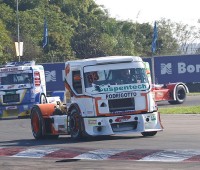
(100, 154)
(171, 155)
(35, 152)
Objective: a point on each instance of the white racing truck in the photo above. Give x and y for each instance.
(99, 102)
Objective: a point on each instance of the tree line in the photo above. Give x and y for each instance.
(82, 29)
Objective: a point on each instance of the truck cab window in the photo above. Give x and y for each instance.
(76, 79)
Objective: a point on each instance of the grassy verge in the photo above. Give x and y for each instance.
(193, 94)
(180, 110)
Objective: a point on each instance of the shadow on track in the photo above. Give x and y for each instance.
(63, 140)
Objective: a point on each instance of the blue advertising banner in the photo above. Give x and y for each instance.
(147, 60)
(54, 74)
(167, 69)
(171, 69)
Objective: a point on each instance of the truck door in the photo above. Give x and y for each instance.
(76, 82)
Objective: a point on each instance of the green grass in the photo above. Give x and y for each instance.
(180, 110)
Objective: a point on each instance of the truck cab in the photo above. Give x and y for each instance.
(99, 83)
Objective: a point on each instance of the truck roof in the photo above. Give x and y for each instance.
(19, 66)
(22, 63)
(104, 60)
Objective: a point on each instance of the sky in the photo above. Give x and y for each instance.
(141, 11)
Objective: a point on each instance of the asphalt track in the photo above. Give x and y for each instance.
(177, 147)
(191, 100)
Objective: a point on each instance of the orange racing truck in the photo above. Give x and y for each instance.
(99, 102)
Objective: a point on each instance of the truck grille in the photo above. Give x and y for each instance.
(121, 104)
(8, 98)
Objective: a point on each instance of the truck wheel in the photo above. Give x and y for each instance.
(75, 124)
(149, 133)
(180, 95)
(37, 123)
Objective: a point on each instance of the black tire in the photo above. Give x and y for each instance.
(180, 95)
(43, 99)
(145, 134)
(75, 124)
(37, 123)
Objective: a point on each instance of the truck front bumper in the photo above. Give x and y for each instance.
(15, 111)
(123, 124)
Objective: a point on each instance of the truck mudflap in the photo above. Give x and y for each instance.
(140, 123)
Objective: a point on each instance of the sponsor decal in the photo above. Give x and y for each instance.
(62, 129)
(92, 121)
(121, 88)
(11, 107)
(166, 68)
(123, 112)
(10, 87)
(89, 112)
(159, 94)
(22, 86)
(50, 76)
(183, 68)
(9, 69)
(123, 118)
(121, 95)
(153, 118)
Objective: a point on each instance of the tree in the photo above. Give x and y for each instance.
(82, 29)
(85, 43)
(143, 39)
(187, 37)
(23, 5)
(167, 44)
(6, 45)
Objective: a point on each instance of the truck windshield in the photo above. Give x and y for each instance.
(115, 77)
(18, 78)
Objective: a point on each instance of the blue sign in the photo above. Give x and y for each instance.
(167, 69)
(171, 69)
(54, 74)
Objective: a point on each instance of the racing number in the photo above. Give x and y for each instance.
(93, 76)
